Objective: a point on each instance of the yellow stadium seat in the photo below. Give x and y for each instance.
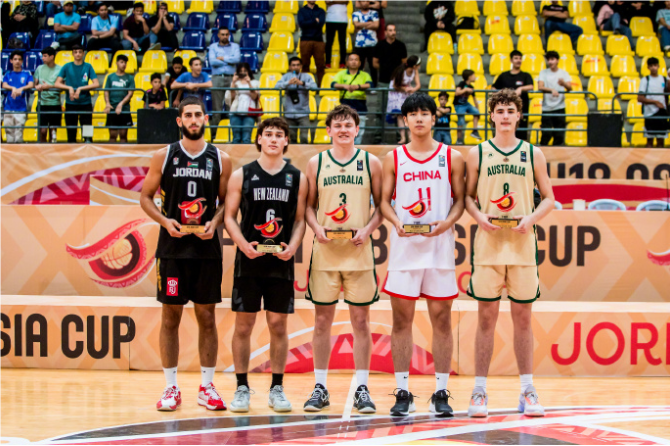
(560, 43)
(536, 133)
(637, 138)
(530, 44)
(321, 135)
(270, 105)
(150, 7)
(470, 62)
(466, 7)
(440, 42)
(495, 7)
(568, 63)
(283, 22)
(533, 63)
(605, 105)
(647, 46)
(526, 24)
(662, 67)
(336, 44)
(312, 92)
(281, 41)
(131, 66)
(576, 84)
(475, 30)
(634, 112)
(268, 80)
(99, 104)
(594, 65)
(439, 63)
(143, 80)
(63, 57)
(623, 66)
(500, 44)
(497, 24)
(618, 44)
(30, 131)
(589, 44)
(136, 101)
(523, 7)
(223, 134)
(176, 6)
(350, 27)
(470, 43)
(499, 63)
(154, 61)
(629, 84)
(276, 61)
(587, 23)
(579, 7)
(577, 109)
(601, 86)
(326, 82)
(440, 82)
(100, 131)
(578, 139)
(642, 26)
(327, 104)
(312, 108)
(99, 61)
(535, 110)
(186, 55)
(288, 6)
(206, 6)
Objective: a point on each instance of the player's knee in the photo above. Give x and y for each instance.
(170, 322)
(360, 325)
(487, 322)
(243, 328)
(277, 327)
(401, 322)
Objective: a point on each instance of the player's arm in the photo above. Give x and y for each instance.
(471, 179)
(299, 225)
(312, 202)
(377, 217)
(151, 184)
(544, 185)
(233, 198)
(458, 190)
(388, 187)
(210, 226)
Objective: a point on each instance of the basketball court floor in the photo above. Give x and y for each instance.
(112, 407)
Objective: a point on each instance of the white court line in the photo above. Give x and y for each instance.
(115, 196)
(349, 404)
(633, 434)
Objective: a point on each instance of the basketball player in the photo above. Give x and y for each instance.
(271, 194)
(341, 182)
(501, 177)
(191, 174)
(425, 178)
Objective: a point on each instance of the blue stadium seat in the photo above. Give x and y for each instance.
(206, 67)
(41, 8)
(207, 99)
(255, 22)
(4, 61)
(23, 37)
(226, 20)
(234, 7)
(193, 40)
(252, 60)
(215, 38)
(44, 39)
(177, 21)
(262, 7)
(197, 21)
(85, 24)
(32, 60)
(251, 41)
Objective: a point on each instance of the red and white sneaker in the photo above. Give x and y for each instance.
(170, 400)
(210, 398)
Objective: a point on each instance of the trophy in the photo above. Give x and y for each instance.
(416, 229)
(192, 229)
(340, 234)
(269, 246)
(505, 222)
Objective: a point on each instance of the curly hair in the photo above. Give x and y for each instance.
(506, 96)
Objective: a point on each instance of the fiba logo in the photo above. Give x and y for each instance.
(172, 286)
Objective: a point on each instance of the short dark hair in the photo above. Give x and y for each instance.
(156, 76)
(138, 5)
(552, 55)
(193, 59)
(352, 54)
(341, 113)
(467, 74)
(443, 93)
(652, 61)
(223, 28)
(100, 5)
(178, 60)
(122, 57)
(16, 53)
(293, 59)
(388, 24)
(49, 51)
(191, 100)
(515, 53)
(277, 123)
(77, 46)
(418, 101)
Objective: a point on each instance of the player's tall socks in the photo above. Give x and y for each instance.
(402, 380)
(206, 375)
(242, 379)
(480, 382)
(277, 380)
(441, 380)
(362, 377)
(321, 377)
(170, 376)
(526, 381)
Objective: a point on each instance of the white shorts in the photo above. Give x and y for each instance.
(434, 284)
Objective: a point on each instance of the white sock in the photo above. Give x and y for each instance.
(526, 381)
(402, 380)
(207, 375)
(362, 377)
(441, 380)
(321, 377)
(480, 381)
(170, 377)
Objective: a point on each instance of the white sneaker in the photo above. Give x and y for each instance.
(529, 403)
(210, 398)
(241, 400)
(478, 402)
(170, 400)
(277, 400)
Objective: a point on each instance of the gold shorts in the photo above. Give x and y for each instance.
(487, 282)
(360, 287)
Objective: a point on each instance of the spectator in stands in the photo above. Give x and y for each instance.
(19, 82)
(442, 130)
(223, 57)
(390, 53)
(173, 73)
(655, 109)
(663, 20)
(642, 9)
(555, 17)
(366, 22)
(311, 19)
(353, 84)
(50, 108)
(88, 6)
(296, 99)
(119, 88)
(136, 32)
(521, 82)
(53, 8)
(24, 19)
(440, 16)
(337, 20)
(74, 77)
(554, 82)
(463, 91)
(155, 97)
(104, 31)
(66, 24)
(400, 87)
(194, 83)
(162, 26)
(378, 7)
(614, 16)
(243, 104)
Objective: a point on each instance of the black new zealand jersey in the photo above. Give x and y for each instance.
(268, 206)
(189, 191)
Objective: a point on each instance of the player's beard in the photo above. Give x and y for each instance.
(195, 135)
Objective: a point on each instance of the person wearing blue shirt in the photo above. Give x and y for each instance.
(223, 56)
(194, 83)
(296, 99)
(18, 82)
(104, 31)
(311, 19)
(66, 24)
(366, 22)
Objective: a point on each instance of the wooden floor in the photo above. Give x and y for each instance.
(43, 404)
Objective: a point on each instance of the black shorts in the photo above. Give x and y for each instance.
(122, 120)
(49, 119)
(656, 128)
(277, 294)
(181, 280)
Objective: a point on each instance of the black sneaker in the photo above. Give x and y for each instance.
(363, 402)
(439, 403)
(318, 400)
(404, 403)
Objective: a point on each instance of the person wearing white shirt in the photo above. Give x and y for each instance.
(554, 82)
(654, 108)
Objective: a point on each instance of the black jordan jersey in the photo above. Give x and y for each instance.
(189, 192)
(268, 206)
